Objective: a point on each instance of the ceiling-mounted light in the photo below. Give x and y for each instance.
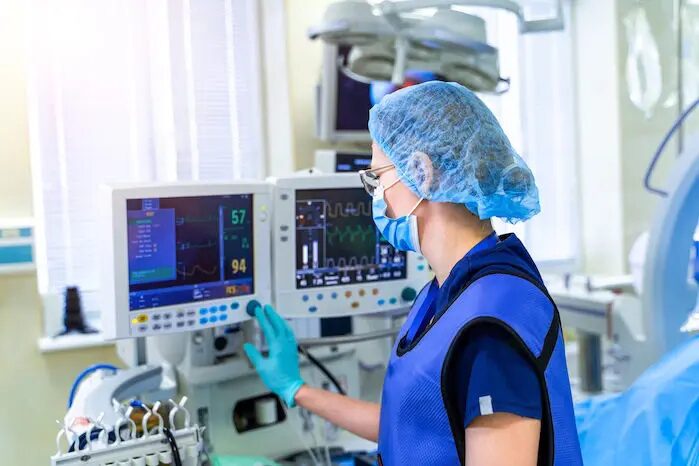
(376, 62)
(478, 72)
(350, 22)
(372, 62)
(451, 30)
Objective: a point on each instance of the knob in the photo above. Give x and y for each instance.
(408, 294)
(220, 343)
(252, 305)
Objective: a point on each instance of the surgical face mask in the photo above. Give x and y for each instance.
(401, 232)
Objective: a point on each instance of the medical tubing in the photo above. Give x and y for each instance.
(299, 434)
(321, 367)
(173, 446)
(87, 371)
(333, 341)
(654, 160)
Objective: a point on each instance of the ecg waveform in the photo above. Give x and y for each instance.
(351, 233)
(194, 270)
(349, 209)
(351, 262)
(191, 219)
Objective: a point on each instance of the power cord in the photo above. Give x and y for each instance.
(323, 369)
(173, 446)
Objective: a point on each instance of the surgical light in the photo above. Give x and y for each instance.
(394, 35)
(350, 22)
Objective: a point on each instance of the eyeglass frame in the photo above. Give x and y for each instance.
(371, 179)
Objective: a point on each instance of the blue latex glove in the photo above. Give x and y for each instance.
(280, 369)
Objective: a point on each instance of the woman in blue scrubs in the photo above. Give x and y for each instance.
(478, 373)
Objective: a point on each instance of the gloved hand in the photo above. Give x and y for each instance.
(280, 369)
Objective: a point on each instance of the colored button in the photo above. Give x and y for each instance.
(375, 291)
(142, 328)
(140, 319)
(155, 317)
(355, 305)
(203, 320)
(223, 317)
(180, 314)
(362, 292)
(421, 267)
(222, 307)
(203, 311)
(312, 309)
(382, 302)
(167, 315)
(320, 296)
(213, 309)
(213, 319)
(235, 306)
(393, 300)
(156, 327)
(192, 312)
(305, 298)
(348, 294)
(167, 326)
(333, 295)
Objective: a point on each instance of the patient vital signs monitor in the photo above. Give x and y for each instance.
(329, 258)
(184, 257)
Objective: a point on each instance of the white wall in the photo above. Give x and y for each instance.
(617, 140)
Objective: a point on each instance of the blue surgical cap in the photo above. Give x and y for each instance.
(448, 147)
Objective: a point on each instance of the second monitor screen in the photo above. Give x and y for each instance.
(337, 242)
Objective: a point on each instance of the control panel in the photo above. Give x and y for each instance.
(184, 257)
(329, 258)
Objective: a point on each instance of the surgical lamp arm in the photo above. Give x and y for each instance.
(393, 9)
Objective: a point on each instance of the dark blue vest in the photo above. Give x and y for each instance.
(420, 421)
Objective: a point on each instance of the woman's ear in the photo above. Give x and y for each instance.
(422, 171)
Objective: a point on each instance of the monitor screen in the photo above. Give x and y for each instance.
(189, 249)
(348, 162)
(355, 98)
(337, 242)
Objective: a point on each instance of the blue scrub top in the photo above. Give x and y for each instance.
(495, 376)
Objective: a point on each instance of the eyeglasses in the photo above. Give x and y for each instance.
(370, 178)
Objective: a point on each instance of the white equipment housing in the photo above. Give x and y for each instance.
(335, 161)
(308, 282)
(200, 304)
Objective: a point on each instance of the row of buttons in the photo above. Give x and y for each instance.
(355, 304)
(167, 325)
(143, 318)
(213, 319)
(188, 323)
(381, 302)
(334, 295)
(221, 308)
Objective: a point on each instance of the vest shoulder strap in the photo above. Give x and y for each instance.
(540, 362)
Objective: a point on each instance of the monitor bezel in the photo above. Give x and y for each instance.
(114, 266)
(284, 244)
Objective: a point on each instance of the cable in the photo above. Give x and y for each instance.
(323, 369)
(341, 340)
(299, 434)
(87, 371)
(173, 446)
(654, 160)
